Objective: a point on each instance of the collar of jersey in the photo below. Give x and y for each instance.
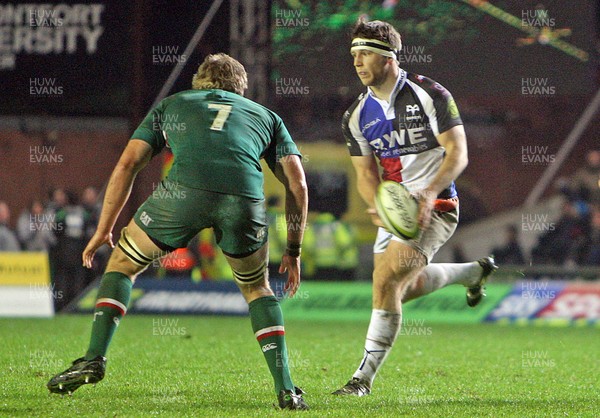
(399, 84)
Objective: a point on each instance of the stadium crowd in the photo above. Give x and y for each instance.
(62, 225)
(574, 239)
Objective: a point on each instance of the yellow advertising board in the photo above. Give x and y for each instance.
(24, 268)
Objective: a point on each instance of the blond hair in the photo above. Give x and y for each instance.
(220, 71)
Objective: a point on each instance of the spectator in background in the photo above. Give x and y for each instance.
(511, 252)
(335, 250)
(35, 228)
(559, 244)
(591, 250)
(70, 276)
(345, 238)
(8, 239)
(278, 230)
(89, 202)
(58, 200)
(91, 207)
(586, 181)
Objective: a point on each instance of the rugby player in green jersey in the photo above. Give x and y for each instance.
(218, 138)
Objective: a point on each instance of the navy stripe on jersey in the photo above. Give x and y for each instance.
(352, 145)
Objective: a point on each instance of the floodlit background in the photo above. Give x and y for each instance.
(77, 78)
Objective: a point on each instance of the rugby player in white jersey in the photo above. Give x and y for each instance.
(410, 125)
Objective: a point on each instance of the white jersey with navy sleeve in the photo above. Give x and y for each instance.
(402, 133)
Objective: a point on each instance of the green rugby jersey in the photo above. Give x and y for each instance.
(217, 139)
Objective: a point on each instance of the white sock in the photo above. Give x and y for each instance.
(382, 332)
(443, 274)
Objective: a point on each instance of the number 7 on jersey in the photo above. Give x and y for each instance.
(222, 115)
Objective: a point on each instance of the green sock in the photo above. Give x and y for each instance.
(267, 324)
(111, 305)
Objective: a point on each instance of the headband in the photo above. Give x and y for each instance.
(373, 45)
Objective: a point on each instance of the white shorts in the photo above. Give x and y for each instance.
(428, 242)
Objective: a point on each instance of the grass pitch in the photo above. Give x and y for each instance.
(210, 366)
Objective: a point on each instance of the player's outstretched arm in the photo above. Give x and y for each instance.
(135, 157)
(290, 173)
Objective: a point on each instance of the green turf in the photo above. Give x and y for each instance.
(214, 368)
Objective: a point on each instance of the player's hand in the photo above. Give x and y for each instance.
(292, 266)
(375, 217)
(97, 241)
(426, 200)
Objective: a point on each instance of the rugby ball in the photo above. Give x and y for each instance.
(397, 209)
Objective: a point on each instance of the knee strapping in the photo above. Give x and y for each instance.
(132, 251)
(250, 277)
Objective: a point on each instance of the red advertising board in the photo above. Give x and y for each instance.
(576, 301)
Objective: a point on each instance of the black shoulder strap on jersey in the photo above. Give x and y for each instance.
(353, 146)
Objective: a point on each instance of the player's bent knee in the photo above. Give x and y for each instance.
(384, 286)
(251, 277)
(401, 270)
(133, 253)
(386, 274)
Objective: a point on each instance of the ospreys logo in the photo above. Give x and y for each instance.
(414, 111)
